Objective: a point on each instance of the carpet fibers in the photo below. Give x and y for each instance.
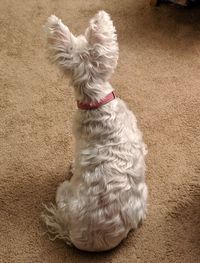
(158, 75)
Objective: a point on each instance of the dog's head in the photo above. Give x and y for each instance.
(90, 57)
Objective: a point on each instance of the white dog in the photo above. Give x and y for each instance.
(106, 196)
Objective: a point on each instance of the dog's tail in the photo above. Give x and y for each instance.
(56, 221)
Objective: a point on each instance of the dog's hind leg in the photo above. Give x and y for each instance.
(62, 195)
(71, 170)
(56, 217)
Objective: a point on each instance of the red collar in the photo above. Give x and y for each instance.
(95, 105)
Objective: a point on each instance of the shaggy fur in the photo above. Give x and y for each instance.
(106, 196)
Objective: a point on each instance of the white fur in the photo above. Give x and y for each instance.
(106, 196)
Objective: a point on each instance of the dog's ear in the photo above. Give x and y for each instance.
(101, 30)
(102, 38)
(60, 42)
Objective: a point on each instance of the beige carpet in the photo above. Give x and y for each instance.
(159, 77)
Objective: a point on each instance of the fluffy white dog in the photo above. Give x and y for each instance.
(106, 196)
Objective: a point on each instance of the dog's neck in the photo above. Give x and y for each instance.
(95, 105)
(93, 92)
